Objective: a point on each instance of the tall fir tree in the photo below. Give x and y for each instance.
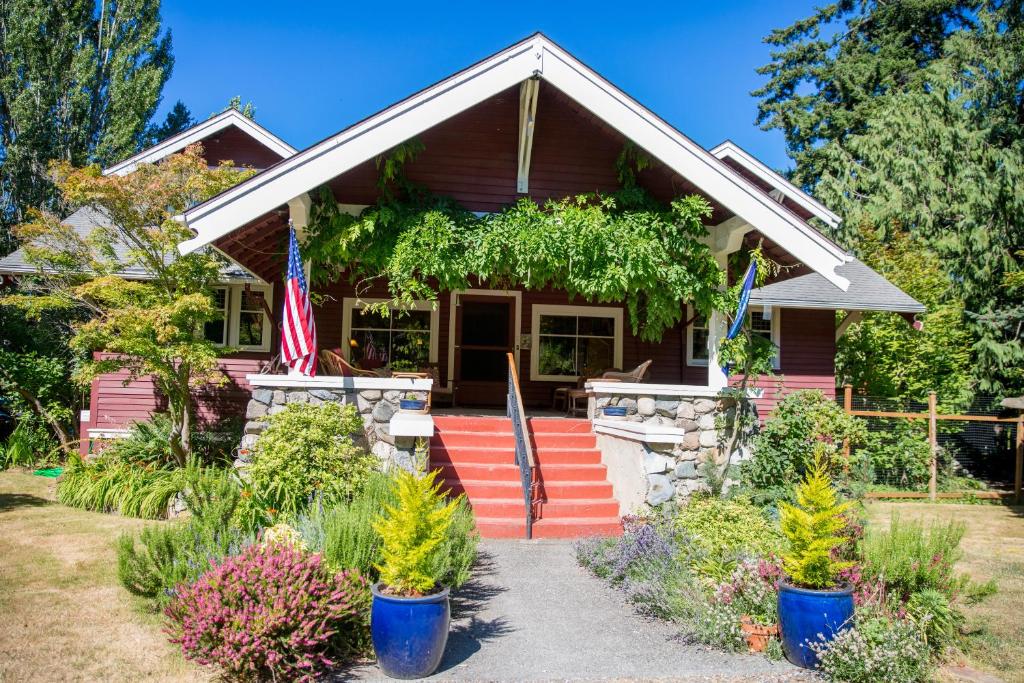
(79, 81)
(909, 117)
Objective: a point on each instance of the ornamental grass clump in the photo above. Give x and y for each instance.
(814, 529)
(412, 531)
(272, 612)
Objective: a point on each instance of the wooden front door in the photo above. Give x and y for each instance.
(483, 338)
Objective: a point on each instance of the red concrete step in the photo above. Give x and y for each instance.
(572, 472)
(576, 490)
(542, 440)
(480, 472)
(560, 509)
(439, 455)
(453, 439)
(468, 423)
(505, 508)
(579, 527)
(565, 456)
(477, 489)
(559, 425)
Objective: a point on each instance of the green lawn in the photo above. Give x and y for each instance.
(65, 617)
(994, 549)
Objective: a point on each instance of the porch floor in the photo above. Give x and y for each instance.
(496, 412)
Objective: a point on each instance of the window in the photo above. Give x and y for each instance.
(253, 322)
(399, 339)
(216, 329)
(696, 338)
(765, 323)
(569, 342)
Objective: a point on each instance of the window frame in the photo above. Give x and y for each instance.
(226, 336)
(616, 314)
(238, 291)
(776, 331)
(690, 360)
(349, 304)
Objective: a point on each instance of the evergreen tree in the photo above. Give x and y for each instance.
(909, 117)
(178, 119)
(78, 83)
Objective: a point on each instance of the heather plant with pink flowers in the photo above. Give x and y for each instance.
(273, 612)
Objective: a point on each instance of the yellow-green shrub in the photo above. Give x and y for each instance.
(412, 530)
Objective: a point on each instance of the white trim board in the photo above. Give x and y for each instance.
(539, 57)
(639, 431)
(729, 149)
(641, 389)
(199, 132)
(335, 382)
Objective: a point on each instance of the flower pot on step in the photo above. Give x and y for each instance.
(811, 616)
(757, 635)
(409, 634)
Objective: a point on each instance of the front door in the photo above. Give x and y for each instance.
(483, 338)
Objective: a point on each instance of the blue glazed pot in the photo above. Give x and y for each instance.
(614, 411)
(411, 404)
(806, 616)
(409, 634)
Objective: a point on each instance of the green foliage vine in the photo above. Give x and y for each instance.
(602, 248)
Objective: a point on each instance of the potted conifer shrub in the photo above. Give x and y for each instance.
(410, 615)
(813, 603)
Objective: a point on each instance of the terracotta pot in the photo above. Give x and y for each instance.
(757, 636)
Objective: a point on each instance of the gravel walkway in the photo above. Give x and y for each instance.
(532, 614)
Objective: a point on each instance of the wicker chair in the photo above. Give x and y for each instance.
(335, 364)
(572, 396)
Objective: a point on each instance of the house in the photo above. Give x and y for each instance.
(529, 121)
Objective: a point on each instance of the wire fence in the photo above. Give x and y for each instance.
(915, 449)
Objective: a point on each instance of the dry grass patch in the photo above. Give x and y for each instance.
(993, 549)
(65, 615)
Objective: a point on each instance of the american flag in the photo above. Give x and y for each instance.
(298, 333)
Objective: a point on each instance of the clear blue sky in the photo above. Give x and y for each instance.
(312, 68)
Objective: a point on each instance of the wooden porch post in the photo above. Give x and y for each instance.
(847, 408)
(1018, 470)
(933, 442)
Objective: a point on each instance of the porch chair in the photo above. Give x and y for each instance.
(336, 365)
(571, 396)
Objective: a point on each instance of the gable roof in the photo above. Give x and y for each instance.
(730, 150)
(201, 131)
(868, 291)
(535, 57)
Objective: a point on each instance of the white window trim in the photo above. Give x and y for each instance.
(776, 336)
(236, 292)
(351, 303)
(557, 309)
(776, 333)
(227, 317)
(690, 360)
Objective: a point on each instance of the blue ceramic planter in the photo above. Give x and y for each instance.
(614, 411)
(806, 616)
(409, 634)
(411, 404)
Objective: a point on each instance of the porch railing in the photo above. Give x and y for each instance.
(524, 451)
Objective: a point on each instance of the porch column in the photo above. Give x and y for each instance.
(717, 380)
(298, 212)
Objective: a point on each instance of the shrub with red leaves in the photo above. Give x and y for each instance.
(272, 612)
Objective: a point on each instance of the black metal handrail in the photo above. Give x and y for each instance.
(524, 450)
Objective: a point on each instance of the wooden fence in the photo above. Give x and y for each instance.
(933, 417)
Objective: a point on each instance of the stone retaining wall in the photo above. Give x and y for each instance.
(673, 470)
(375, 406)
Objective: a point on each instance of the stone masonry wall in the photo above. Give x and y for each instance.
(375, 406)
(674, 470)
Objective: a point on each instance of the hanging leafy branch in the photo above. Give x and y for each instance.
(602, 248)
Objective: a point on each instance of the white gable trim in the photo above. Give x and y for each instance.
(198, 132)
(731, 150)
(535, 56)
